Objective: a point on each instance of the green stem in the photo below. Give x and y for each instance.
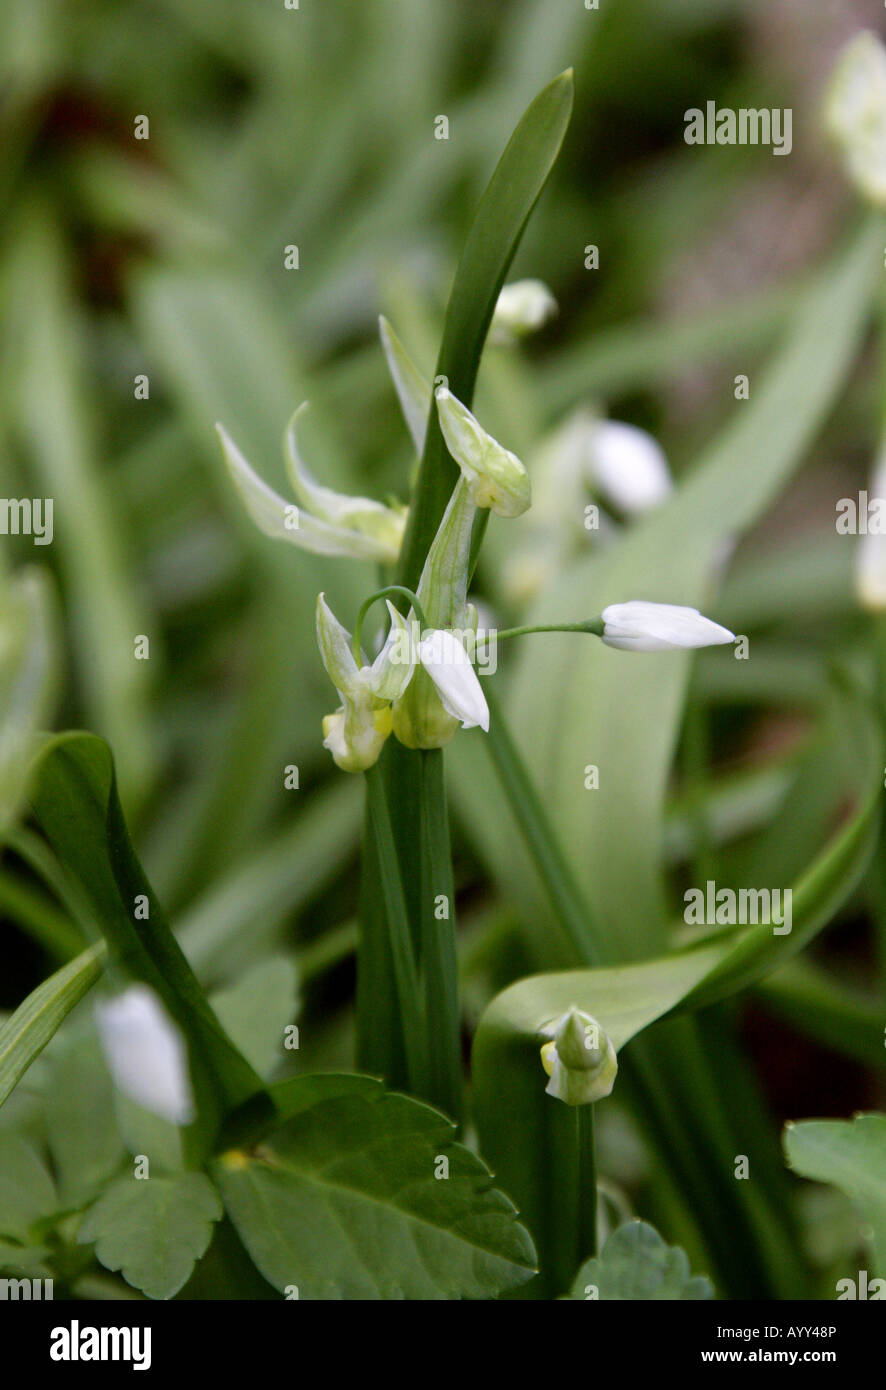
(594, 626)
(400, 942)
(553, 869)
(439, 964)
(587, 1182)
(403, 592)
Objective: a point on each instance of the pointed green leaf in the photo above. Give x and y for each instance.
(27, 1031)
(348, 1200)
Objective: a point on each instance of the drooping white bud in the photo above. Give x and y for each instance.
(628, 466)
(522, 307)
(449, 667)
(146, 1053)
(855, 113)
(638, 626)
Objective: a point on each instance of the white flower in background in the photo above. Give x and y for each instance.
(855, 113)
(146, 1053)
(522, 307)
(627, 466)
(495, 477)
(579, 1059)
(355, 734)
(870, 553)
(449, 667)
(638, 626)
(327, 523)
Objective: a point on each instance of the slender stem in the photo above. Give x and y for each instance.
(554, 870)
(365, 606)
(398, 933)
(594, 626)
(438, 940)
(587, 1182)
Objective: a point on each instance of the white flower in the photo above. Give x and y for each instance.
(328, 523)
(449, 667)
(494, 476)
(870, 553)
(521, 308)
(146, 1053)
(355, 733)
(628, 466)
(855, 113)
(657, 627)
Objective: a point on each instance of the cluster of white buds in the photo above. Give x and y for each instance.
(422, 684)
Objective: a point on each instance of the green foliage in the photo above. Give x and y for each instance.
(366, 1195)
(851, 1155)
(635, 1263)
(153, 1229)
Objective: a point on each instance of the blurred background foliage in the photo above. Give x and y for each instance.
(269, 128)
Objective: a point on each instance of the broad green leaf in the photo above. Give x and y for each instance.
(74, 796)
(347, 1200)
(81, 1126)
(27, 1192)
(153, 1230)
(851, 1155)
(577, 702)
(25, 1034)
(255, 1011)
(635, 1265)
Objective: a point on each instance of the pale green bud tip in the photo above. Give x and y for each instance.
(579, 1059)
(495, 477)
(355, 736)
(855, 113)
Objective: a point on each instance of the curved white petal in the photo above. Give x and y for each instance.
(146, 1053)
(639, 626)
(285, 521)
(449, 667)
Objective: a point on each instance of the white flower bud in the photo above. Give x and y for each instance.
(855, 113)
(870, 553)
(146, 1053)
(449, 667)
(628, 466)
(495, 477)
(638, 626)
(522, 307)
(580, 1059)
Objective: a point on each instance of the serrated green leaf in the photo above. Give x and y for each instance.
(153, 1230)
(343, 1202)
(851, 1155)
(27, 1192)
(636, 1264)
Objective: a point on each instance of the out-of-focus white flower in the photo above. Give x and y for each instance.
(449, 667)
(638, 626)
(146, 1054)
(855, 113)
(522, 307)
(495, 477)
(627, 465)
(579, 1059)
(870, 553)
(327, 523)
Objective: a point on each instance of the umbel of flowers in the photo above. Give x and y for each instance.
(422, 685)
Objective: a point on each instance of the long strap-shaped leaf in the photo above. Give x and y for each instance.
(27, 1031)
(74, 796)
